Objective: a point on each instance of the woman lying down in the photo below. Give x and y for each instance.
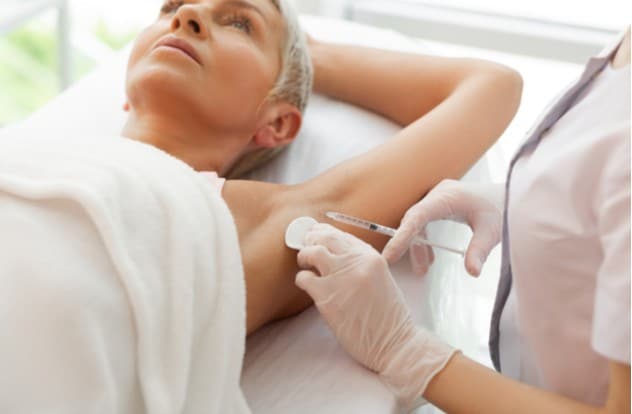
(122, 278)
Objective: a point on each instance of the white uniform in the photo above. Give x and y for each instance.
(567, 309)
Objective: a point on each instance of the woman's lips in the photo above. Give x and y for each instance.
(181, 45)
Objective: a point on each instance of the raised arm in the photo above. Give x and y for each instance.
(452, 109)
(400, 86)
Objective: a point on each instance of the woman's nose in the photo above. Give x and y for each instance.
(188, 19)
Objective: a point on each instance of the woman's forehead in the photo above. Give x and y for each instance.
(270, 10)
(276, 4)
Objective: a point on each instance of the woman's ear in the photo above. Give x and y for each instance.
(126, 106)
(279, 125)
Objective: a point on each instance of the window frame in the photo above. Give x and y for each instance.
(505, 33)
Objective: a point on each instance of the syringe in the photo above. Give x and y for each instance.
(388, 231)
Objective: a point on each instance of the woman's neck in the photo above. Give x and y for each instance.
(189, 142)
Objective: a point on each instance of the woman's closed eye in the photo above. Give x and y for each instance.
(234, 19)
(238, 21)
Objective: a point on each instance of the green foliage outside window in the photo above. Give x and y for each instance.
(112, 39)
(29, 67)
(28, 76)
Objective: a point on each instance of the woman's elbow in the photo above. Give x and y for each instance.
(498, 90)
(508, 84)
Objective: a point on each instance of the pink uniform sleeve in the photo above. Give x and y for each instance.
(611, 323)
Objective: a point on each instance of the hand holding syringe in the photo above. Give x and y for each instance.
(388, 231)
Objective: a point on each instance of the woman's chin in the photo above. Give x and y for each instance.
(163, 67)
(161, 78)
(161, 86)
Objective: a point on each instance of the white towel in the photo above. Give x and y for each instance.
(121, 283)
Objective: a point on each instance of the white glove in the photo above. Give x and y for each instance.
(478, 205)
(358, 298)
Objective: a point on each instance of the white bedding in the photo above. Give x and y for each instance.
(112, 294)
(293, 365)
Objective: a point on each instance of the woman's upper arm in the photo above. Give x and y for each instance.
(443, 143)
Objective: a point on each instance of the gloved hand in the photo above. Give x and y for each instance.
(357, 296)
(478, 205)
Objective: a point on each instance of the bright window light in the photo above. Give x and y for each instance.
(603, 14)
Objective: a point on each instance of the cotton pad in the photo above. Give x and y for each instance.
(296, 231)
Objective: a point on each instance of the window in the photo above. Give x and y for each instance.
(603, 14)
(545, 40)
(35, 60)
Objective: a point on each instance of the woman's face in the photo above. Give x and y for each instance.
(213, 60)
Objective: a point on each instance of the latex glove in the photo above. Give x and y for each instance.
(478, 205)
(354, 291)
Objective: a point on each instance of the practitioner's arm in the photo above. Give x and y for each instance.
(482, 390)
(358, 298)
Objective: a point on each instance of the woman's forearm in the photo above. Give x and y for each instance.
(465, 386)
(400, 86)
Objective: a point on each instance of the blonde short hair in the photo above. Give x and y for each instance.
(293, 85)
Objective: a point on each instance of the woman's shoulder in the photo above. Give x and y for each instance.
(259, 206)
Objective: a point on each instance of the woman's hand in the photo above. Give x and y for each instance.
(310, 40)
(354, 291)
(314, 47)
(478, 205)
